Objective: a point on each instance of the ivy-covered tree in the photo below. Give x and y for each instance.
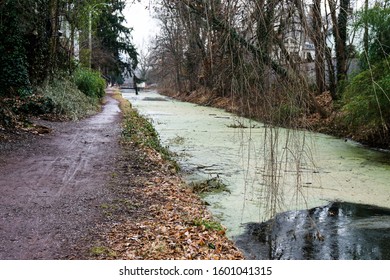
(14, 77)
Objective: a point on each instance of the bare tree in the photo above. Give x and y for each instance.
(319, 43)
(144, 62)
(340, 36)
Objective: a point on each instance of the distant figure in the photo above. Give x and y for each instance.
(135, 84)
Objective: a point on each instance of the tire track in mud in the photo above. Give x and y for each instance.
(52, 187)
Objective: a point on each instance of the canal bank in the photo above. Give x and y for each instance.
(211, 143)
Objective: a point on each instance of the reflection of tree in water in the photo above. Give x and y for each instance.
(349, 231)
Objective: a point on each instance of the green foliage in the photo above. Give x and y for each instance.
(14, 78)
(89, 82)
(36, 40)
(66, 99)
(58, 96)
(377, 20)
(140, 131)
(114, 42)
(208, 224)
(100, 251)
(211, 185)
(33, 54)
(367, 102)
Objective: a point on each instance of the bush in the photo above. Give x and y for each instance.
(367, 102)
(64, 98)
(89, 82)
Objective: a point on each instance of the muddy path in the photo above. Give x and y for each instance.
(52, 186)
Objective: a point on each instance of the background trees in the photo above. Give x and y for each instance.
(46, 40)
(375, 21)
(38, 38)
(113, 53)
(273, 58)
(250, 50)
(366, 100)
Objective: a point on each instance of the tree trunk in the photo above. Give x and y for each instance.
(319, 44)
(341, 49)
(331, 74)
(290, 76)
(54, 24)
(340, 37)
(365, 36)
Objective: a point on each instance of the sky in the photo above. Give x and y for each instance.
(140, 19)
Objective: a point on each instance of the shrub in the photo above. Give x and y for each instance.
(67, 100)
(367, 102)
(89, 82)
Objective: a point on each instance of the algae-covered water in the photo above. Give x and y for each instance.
(211, 143)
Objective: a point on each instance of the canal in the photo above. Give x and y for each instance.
(265, 170)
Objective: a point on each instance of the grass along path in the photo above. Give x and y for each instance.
(155, 215)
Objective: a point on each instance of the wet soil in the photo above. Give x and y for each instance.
(337, 231)
(52, 185)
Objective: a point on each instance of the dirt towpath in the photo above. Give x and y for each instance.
(52, 186)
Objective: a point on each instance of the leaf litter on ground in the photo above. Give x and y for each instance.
(169, 222)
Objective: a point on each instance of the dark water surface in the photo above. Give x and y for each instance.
(337, 231)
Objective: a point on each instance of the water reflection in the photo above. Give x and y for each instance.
(337, 231)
